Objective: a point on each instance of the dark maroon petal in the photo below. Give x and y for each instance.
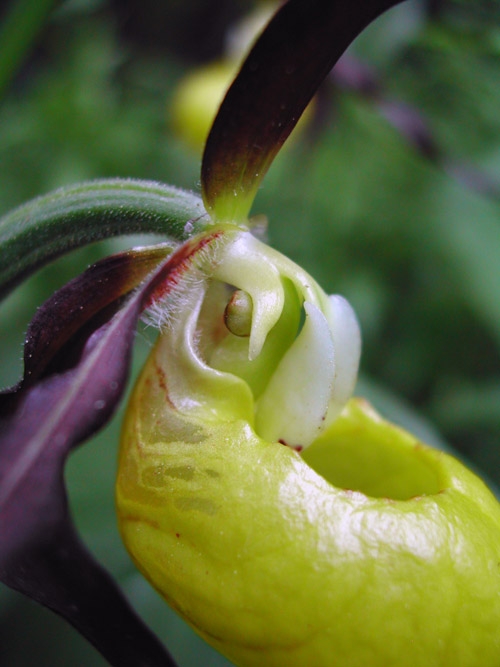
(39, 553)
(81, 304)
(278, 79)
(59, 573)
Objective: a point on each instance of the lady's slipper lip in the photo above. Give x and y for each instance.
(264, 556)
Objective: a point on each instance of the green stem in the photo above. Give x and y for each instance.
(46, 227)
(22, 23)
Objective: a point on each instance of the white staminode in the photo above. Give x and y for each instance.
(346, 336)
(294, 405)
(314, 379)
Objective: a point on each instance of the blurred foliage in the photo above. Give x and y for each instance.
(414, 243)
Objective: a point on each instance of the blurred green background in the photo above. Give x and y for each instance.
(390, 196)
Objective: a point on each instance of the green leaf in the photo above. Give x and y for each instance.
(70, 217)
(283, 71)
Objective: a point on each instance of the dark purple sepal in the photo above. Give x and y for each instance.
(278, 79)
(63, 576)
(50, 414)
(81, 305)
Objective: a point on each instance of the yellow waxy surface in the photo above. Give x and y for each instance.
(274, 565)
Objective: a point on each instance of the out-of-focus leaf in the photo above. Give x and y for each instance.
(451, 75)
(480, 13)
(467, 405)
(276, 82)
(17, 33)
(43, 229)
(469, 234)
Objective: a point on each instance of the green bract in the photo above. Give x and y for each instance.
(368, 549)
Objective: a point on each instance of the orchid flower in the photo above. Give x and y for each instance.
(287, 522)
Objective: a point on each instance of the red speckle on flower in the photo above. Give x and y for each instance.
(178, 263)
(162, 383)
(297, 448)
